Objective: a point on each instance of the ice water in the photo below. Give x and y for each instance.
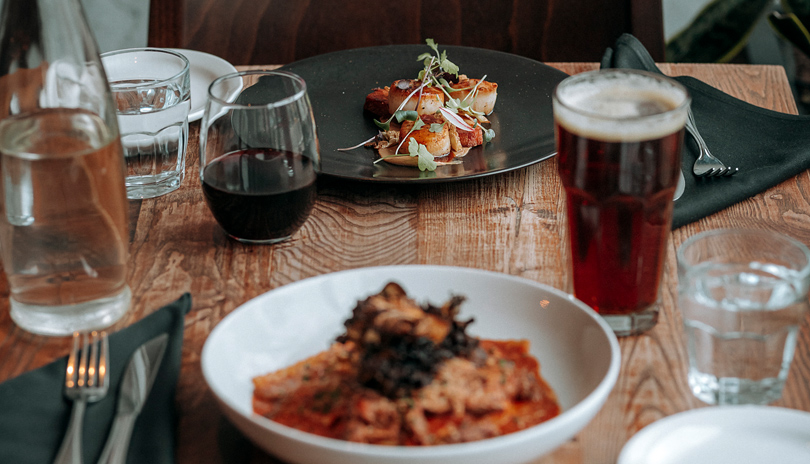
(63, 221)
(153, 121)
(741, 323)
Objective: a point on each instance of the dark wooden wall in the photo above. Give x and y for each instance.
(282, 31)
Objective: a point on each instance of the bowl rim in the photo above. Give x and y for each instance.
(568, 417)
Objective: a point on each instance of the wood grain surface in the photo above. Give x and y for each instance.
(282, 31)
(512, 223)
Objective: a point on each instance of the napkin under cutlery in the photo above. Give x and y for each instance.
(34, 413)
(141, 372)
(768, 147)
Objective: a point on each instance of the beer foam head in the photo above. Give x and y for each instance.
(620, 105)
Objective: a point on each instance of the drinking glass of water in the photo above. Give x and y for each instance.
(152, 92)
(743, 295)
(259, 155)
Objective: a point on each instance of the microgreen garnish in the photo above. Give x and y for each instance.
(406, 116)
(400, 116)
(445, 64)
(360, 144)
(436, 65)
(425, 160)
(384, 126)
(475, 89)
(455, 119)
(439, 72)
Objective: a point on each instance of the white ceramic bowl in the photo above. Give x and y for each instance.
(578, 354)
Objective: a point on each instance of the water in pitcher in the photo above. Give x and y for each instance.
(63, 219)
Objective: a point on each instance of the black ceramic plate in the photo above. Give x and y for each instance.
(339, 82)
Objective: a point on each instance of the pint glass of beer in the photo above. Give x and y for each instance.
(619, 135)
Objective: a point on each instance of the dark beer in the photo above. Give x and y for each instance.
(619, 145)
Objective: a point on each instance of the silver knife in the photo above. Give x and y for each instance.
(138, 379)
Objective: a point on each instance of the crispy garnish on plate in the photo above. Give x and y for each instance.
(377, 102)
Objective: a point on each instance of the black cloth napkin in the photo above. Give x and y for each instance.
(34, 413)
(768, 147)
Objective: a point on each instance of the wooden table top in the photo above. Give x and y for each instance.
(512, 223)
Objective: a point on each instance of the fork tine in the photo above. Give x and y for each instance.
(82, 376)
(721, 172)
(86, 381)
(92, 373)
(72, 372)
(103, 378)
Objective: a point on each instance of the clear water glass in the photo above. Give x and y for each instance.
(152, 92)
(743, 296)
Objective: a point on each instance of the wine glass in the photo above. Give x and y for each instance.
(259, 155)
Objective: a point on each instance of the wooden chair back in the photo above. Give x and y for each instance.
(282, 31)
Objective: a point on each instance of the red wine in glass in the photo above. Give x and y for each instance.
(260, 194)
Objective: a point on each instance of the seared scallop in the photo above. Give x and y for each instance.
(486, 93)
(437, 143)
(430, 98)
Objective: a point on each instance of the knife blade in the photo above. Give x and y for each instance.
(135, 387)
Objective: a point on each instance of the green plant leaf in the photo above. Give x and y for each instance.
(384, 126)
(406, 115)
(790, 27)
(425, 159)
(794, 29)
(718, 33)
(801, 8)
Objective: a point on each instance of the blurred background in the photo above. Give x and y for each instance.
(737, 31)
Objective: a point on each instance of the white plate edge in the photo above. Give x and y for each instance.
(203, 60)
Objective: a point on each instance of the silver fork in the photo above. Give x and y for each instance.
(86, 381)
(706, 165)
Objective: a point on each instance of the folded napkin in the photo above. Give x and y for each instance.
(768, 147)
(34, 413)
